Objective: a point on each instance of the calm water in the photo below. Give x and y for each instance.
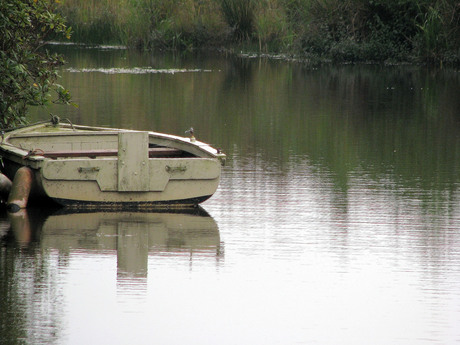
(337, 220)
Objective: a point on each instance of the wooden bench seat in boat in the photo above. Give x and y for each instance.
(154, 152)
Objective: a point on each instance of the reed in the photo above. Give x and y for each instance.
(239, 15)
(341, 30)
(145, 23)
(439, 34)
(271, 27)
(92, 21)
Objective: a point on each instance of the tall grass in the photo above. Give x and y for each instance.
(92, 21)
(239, 15)
(271, 27)
(145, 23)
(338, 30)
(439, 31)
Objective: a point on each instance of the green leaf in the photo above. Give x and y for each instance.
(28, 74)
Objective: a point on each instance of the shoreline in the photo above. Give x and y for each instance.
(286, 57)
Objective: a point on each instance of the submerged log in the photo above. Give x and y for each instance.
(20, 190)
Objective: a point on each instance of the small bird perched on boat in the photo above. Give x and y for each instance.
(191, 131)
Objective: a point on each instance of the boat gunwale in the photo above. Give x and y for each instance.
(28, 132)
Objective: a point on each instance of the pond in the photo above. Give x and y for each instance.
(337, 219)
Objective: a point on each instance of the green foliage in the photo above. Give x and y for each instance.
(165, 24)
(376, 30)
(438, 38)
(190, 25)
(239, 15)
(271, 27)
(28, 72)
(337, 30)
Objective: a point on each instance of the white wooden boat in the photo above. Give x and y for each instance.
(82, 166)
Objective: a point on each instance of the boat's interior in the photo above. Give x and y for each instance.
(86, 144)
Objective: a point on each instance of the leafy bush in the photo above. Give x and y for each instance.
(28, 73)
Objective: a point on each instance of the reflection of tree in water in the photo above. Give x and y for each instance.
(238, 75)
(398, 123)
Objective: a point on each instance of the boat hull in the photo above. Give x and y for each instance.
(180, 193)
(106, 168)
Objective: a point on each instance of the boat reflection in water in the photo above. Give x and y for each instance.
(133, 235)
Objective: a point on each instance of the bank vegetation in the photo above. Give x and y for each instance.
(29, 73)
(334, 30)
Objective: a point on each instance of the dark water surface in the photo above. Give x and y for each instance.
(337, 220)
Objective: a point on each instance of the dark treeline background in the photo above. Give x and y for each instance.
(316, 30)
